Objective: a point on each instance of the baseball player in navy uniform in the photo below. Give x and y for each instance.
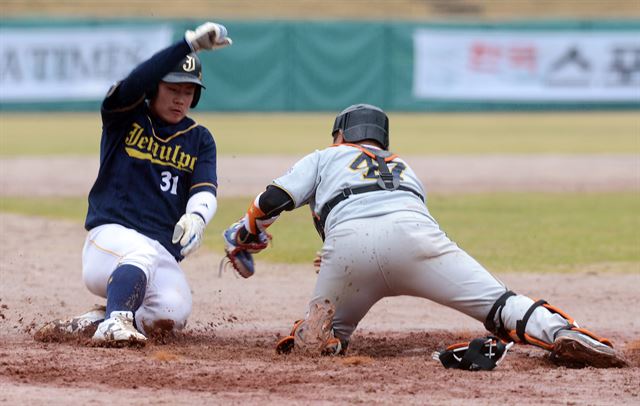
(153, 197)
(380, 240)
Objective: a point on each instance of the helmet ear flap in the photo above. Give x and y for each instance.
(196, 96)
(338, 124)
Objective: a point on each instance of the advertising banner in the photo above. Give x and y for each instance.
(68, 65)
(72, 63)
(507, 65)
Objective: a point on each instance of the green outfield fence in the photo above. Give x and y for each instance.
(325, 66)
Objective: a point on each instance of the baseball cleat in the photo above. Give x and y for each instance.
(83, 324)
(332, 347)
(315, 334)
(118, 331)
(575, 348)
(285, 345)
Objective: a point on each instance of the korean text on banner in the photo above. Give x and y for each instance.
(526, 66)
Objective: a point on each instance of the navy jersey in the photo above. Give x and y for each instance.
(148, 168)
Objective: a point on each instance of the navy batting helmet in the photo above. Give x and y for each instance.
(363, 122)
(189, 70)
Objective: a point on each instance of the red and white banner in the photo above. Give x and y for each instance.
(504, 65)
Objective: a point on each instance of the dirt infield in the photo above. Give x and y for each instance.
(226, 355)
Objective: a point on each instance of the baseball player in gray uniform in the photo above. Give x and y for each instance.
(380, 240)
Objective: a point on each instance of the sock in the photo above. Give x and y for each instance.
(126, 289)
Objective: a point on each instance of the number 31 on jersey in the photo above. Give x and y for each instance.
(169, 183)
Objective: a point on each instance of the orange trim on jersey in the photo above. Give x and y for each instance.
(105, 250)
(366, 151)
(203, 184)
(153, 131)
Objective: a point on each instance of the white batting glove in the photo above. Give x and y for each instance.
(188, 231)
(208, 36)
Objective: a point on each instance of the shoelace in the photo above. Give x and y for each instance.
(225, 262)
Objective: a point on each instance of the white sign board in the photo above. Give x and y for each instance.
(72, 64)
(503, 65)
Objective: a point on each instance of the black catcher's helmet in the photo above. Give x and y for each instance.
(363, 122)
(189, 70)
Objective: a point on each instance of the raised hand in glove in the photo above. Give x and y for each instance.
(239, 245)
(188, 231)
(208, 36)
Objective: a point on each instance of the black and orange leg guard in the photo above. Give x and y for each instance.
(519, 334)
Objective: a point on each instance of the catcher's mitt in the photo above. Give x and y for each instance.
(238, 254)
(479, 354)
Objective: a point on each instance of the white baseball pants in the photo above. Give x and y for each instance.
(167, 301)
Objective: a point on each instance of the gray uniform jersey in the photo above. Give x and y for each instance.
(320, 176)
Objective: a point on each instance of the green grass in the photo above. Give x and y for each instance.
(298, 134)
(506, 231)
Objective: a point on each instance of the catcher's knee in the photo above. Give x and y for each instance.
(333, 346)
(316, 334)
